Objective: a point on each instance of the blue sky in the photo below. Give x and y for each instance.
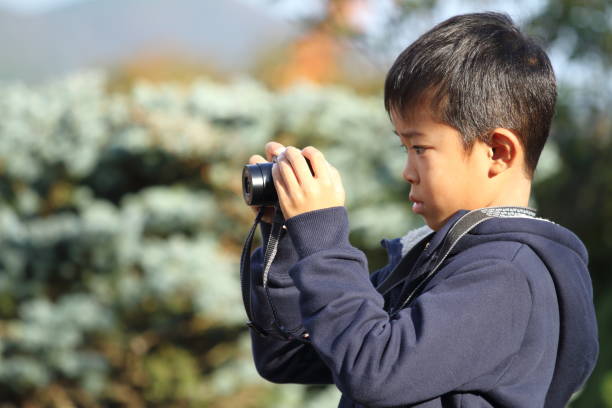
(32, 6)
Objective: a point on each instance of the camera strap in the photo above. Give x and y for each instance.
(405, 267)
(245, 271)
(399, 274)
(247, 279)
(460, 228)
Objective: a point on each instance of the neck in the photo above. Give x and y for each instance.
(515, 194)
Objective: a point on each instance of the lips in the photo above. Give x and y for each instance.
(417, 206)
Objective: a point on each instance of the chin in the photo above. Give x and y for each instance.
(433, 224)
(437, 222)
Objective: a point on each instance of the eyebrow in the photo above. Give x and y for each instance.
(408, 134)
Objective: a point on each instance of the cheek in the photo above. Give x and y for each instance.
(450, 183)
(438, 182)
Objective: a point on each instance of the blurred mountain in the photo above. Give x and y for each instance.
(226, 35)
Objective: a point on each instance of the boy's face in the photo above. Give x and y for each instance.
(444, 177)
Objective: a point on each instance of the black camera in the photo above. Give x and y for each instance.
(258, 186)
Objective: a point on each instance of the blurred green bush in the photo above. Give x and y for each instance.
(121, 225)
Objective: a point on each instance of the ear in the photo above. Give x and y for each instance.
(505, 151)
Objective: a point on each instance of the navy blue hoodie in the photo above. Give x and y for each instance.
(508, 321)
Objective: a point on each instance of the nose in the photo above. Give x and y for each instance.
(410, 173)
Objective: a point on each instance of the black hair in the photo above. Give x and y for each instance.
(478, 72)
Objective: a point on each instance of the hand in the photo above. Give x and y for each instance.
(272, 149)
(300, 191)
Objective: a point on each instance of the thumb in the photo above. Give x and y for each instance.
(257, 159)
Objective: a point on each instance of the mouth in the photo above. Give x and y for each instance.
(417, 206)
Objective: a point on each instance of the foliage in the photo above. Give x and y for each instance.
(122, 225)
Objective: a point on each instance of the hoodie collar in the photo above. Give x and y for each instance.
(439, 235)
(504, 212)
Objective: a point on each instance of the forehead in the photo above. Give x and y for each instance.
(424, 127)
(411, 120)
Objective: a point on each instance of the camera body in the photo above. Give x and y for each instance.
(258, 186)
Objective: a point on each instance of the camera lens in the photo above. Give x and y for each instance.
(247, 187)
(258, 185)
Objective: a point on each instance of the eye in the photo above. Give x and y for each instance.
(403, 147)
(419, 149)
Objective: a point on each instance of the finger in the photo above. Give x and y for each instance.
(286, 172)
(320, 166)
(273, 149)
(257, 159)
(281, 188)
(299, 165)
(337, 181)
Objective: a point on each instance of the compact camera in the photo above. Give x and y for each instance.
(258, 186)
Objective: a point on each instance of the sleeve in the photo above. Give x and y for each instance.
(454, 334)
(281, 361)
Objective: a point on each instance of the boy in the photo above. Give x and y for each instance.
(508, 320)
